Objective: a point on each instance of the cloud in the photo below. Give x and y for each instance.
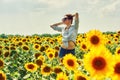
(111, 8)
(55, 3)
(7, 1)
(93, 1)
(19, 6)
(31, 6)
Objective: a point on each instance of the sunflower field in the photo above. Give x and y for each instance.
(35, 57)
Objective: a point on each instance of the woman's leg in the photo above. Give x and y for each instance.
(62, 52)
(71, 51)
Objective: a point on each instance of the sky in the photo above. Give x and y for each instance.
(27, 17)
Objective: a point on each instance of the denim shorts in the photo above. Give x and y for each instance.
(63, 52)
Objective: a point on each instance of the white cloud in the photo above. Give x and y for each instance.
(93, 1)
(18, 6)
(55, 3)
(111, 8)
(8, 1)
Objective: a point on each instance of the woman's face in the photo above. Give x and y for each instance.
(66, 21)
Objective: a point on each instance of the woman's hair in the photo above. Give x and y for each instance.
(70, 17)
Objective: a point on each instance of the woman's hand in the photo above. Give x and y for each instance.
(75, 15)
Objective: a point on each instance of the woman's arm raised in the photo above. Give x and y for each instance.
(55, 26)
(76, 15)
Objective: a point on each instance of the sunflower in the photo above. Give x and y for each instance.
(70, 62)
(118, 33)
(109, 42)
(51, 55)
(1, 47)
(51, 42)
(98, 62)
(117, 52)
(25, 48)
(116, 36)
(42, 58)
(116, 40)
(78, 41)
(46, 46)
(1, 63)
(36, 47)
(56, 48)
(57, 69)
(56, 54)
(83, 46)
(62, 76)
(1, 52)
(24, 39)
(116, 68)
(95, 38)
(6, 47)
(31, 67)
(20, 43)
(39, 62)
(37, 55)
(42, 49)
(6, 53)
(50, 50)
(2, 76)
(45, 69)
(79, 76)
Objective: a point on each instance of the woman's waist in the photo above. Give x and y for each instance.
(71, 45)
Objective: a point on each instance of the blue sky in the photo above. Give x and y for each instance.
(28, 17)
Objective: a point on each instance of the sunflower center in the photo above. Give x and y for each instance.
(51, 42)
(0, 52)
(56, 54)
(117, 68)
(12, 48)
(6, 54)
(57, 70)
(84, 46)
(37, 55)
(109, 42)
(24, 40)
(95, 40)
(118, 31)
(50, 55)
(42, 48)
(7, 48)
(30, 66)
(20, 43)
(79, 41)
(0, 47)
(81, 78)
(61, 79)
(25, 48)
(70, 62)
(115, 39)
(2, 77)
(118, 52)
(1, 63)
(39, 62)
(46, 69)
(98, 63)
(57, 48)
(36, 46)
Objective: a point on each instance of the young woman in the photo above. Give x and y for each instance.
(69, 33)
